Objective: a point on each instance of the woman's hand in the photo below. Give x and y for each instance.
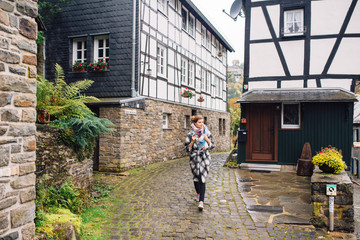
(193, 138)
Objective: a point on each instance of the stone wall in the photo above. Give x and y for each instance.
(56, 162)
(343, 206)
(17, 118)
(139, 137)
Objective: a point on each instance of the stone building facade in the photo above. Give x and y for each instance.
(17, 118)
(140, 137)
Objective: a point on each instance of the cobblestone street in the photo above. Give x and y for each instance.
(159, 203)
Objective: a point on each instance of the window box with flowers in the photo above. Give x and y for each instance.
(79, 66)
(187, 93)
(99, 66)
(329, 160)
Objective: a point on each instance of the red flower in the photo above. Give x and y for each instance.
(186, 88)
(104, 62)
(80, 64)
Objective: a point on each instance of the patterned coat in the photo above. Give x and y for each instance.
(199, 160)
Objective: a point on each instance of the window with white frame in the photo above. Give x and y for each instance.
(203, 36)
(187, 123)
(208, 39)
(203, 73)
(161, 61)
(165, 121)
(162, 5)
(294, 22)
(208, 80)
(290, 115)
(101, 48)
(79, 50)
(184, 17)
(213, 90)
(184, 64)
(191, 25)
(191, 73)
(219, 89)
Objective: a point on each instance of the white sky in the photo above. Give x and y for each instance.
(232, 31)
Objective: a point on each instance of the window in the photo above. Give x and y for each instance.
(191, 73)
(219, 87)
(290, 115)
(294, 22)
(165, 121)
(187, 121)
(191, 25)
(79, 49)
(222, 127)
(208, 79)
(161, 61)
(184, 71)
(101, 48)
(203, 73)
(203, 36)
(184, 18)
(162, 6)
(208, 39)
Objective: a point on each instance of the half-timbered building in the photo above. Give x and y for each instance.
(300, 71)
(155, 50)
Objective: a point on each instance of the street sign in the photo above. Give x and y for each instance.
(331, 189)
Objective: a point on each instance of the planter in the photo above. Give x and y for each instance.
(201, 100)
(326, 169)
(43, 116)
(78, 70)
(185, 95)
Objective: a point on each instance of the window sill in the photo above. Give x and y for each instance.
(290, 129)
(167, 129)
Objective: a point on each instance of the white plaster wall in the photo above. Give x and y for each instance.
(145, 86)
(328, 16)
(152, 86)
(258, 26)
(171, 74)
(171, 93)
(311, 83)
(336, 83)
(171, 57)
(153, 19)
(264, 60)
(262, 85)
(347, 58)
(162, 89)
(354, 26)
(294, 56)
(292, 84)
(274, 12)
(319, 53)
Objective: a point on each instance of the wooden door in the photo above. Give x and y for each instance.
(262, 132)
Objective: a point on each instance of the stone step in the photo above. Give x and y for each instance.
(261, 167)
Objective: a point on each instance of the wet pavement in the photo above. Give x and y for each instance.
(158, 203)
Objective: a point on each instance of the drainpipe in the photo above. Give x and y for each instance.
(133, 93)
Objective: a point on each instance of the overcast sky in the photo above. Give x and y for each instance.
(232, 31)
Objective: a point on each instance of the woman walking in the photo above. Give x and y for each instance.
(198, 142)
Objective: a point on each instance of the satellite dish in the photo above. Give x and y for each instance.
(235, 9)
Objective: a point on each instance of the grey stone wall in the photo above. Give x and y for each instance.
(56, 162)
(17, 118)
(343, 206)
(140, 139)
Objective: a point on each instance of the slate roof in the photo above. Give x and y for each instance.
(297, 95)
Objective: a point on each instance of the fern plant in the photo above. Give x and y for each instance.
(64, 101)
(81, 133)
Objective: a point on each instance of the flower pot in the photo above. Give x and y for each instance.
(326, 169)
(43, 116)
(185, 95)
(201, 99)
(79, 70)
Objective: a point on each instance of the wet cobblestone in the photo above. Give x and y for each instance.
(158, 203)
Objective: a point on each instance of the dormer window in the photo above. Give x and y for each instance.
(293, 22)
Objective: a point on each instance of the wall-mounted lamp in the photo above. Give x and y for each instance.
(148, 70)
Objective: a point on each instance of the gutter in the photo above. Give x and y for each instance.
(133, 92)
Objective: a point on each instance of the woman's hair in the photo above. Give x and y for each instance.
(196, 118)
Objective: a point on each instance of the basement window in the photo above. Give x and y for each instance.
(290, 116)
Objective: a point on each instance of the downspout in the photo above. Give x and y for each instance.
(133, 93)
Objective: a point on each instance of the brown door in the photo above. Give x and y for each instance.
(262, 132)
